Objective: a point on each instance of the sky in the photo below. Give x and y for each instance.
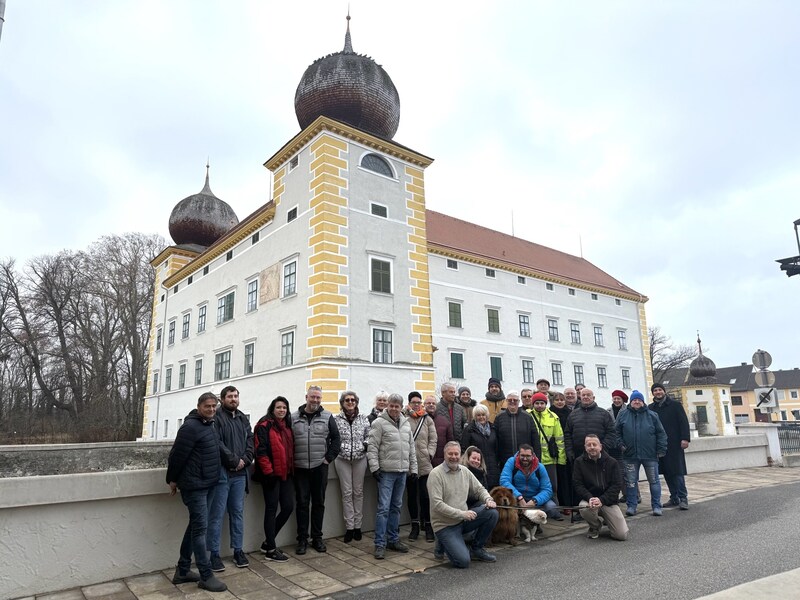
(660, 140)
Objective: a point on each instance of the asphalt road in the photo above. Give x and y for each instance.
(684, 554)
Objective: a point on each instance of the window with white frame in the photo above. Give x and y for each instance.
(496, 367)
(166, 428)
(249, 356)
(575, 332)
(380, 275)
(454, 314)
(171, 333)
(181, 376)
(198, 371)
(168, 379)
(185, 326)
(598, 335)
(379, 210)
(521, 279)
(377, 164)
(159, 335)
(490, 273)
(252, 295)
(524, 326)
(225, 308)
(527, 371)
(382, 346)
(626, 379)
(549, 287)
(452, 264)
(552, 330)
(291, 215)
(290, 278)
(558, 376)
(201, 318)
(222, 365)
(622, 336)
(155, 382)
(602, 378)
(578, 371)
(287, 348)
(493, 319)
(456, 365)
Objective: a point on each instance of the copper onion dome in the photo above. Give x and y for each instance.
(702, 366)
(351, 88)
(201, 218)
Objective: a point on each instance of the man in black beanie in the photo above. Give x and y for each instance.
(495, 399)
(673, 464)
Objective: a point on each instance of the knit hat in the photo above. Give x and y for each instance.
(494, 380)
(636, 395)
(655, 386)
(539, 396)
(414, 394)
(621, 394)
(463, 389)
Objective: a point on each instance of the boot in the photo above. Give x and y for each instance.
(429, 536)
(414, 531)
(348, 536)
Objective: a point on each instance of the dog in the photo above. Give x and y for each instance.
(528, 522)
(507, 526)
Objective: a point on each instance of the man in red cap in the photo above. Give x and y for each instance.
(551, 437)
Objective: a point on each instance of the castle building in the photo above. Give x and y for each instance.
(344, 279)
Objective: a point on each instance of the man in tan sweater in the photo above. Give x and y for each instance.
(449, 486)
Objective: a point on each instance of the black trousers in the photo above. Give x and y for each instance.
(277, 493)
(419, 505)
(309, 487)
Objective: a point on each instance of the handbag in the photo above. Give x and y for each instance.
(552, 445)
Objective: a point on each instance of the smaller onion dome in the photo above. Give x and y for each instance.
(702, 366)
(201, 218)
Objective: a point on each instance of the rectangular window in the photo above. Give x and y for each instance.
(249, 352)
(185, 326)
(549, 287)
(456, 365)
(698, 392)
(626, 379)
(158, 338)
(379, 210)
(578, 369)
(225, 308)
(222, 365)
(289, 278)
(205, 270)
(575, 332)
(527, 371)
(728, 413)
(155, 383)
(452, 264)
(198, 371)
(201, 319)
(381, 346)
(454, 314)
(702, 414)
(287, 348)
(736, 400)
(496, 367)
(228, 255)
(381, 276)
(171, 334)
(622, 336)
(166, 427)
(602, 379)
(618, 301)
(594, 296)
(571, 291)
(493, 316)
(252, 295)
(490, 273)
(598, 335)
(291, 215)
(558, 377)
(520, 280)
(254, 238)
(793, 394)
(182, 376)
(190, 280)
(168, 379)
(524, 326)
(552, 330)
(293, 163)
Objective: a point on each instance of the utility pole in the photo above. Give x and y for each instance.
(792, 264)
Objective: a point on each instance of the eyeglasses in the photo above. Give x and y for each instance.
(527, 395)
(513, 401)
(349, 400)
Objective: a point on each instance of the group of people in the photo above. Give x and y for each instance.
(561, 453)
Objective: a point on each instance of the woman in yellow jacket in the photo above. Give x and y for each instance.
(551, 435)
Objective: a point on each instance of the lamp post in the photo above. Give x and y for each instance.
(792, 264)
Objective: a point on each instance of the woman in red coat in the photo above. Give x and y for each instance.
(274, 464)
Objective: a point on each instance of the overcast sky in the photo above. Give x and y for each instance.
(663, 138)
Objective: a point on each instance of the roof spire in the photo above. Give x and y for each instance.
(348, 44)
(699, 346)
(207, 188)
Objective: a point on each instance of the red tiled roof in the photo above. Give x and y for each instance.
(447, 233)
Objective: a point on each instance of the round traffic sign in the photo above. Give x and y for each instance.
(762, 359)
(765, 379)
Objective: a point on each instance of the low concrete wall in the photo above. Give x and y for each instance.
(721, 453)
(61, 531)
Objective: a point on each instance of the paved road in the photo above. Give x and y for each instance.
(712, 547)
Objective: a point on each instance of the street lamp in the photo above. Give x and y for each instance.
(792, 264)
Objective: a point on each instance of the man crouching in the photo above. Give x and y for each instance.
(596, 479)
(449, 486)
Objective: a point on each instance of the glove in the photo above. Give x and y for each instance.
(377, 475)
(413, 476)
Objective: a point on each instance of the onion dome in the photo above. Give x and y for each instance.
(702, 366)
(351, 88)
(201, 218)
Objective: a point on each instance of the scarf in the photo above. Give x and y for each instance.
(484, 428)
(416, 415)
(350, 415)
(499, 397)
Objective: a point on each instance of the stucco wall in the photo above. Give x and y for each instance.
(721, 453)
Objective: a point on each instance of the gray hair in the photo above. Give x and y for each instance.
(480, 409)
(447, 384)
(315, 388)
(452, 443)
(396, 399)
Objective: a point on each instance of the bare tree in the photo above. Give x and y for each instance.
(666, 355)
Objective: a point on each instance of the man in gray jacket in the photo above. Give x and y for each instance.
(316, 444)
(392, 456)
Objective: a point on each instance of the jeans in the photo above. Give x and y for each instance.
(419, 505)
(309, 487)
(277, 492)
(390, 501)
(228, 495)
(194, 539)
(677, 488)
(631, 467)
(451, 539)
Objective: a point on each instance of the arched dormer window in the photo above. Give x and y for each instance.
(373, 162)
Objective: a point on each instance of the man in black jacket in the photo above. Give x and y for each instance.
(236, 447)
(595, 479)
(193, 468)
(673, 464)
(515, 427)
(588, 418)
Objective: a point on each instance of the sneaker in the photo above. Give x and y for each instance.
(212, 584)
(357, 534)
(264, 547)
(481, 555)
(188, 577)
(593, 533)
(672, 503)
(240, 560)
(276, 555)
(380, 552)
(318, 545)
(216, 563)
(683, 505)
(438, 554)
(397, 546)
(348, 536)
(630, 512)
(657, 512)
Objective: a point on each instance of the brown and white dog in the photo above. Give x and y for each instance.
(508, 523)
(528, 520)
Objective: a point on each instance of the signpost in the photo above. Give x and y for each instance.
(766, 396)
